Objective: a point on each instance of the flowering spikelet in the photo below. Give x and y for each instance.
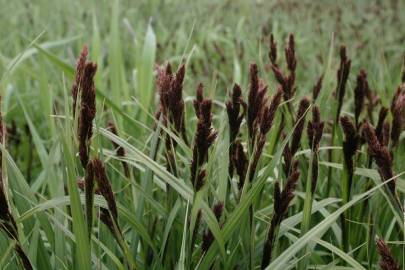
(350, 145)
(87, 105)
(105, 187)
(81, 63)
(256, 101)
(208, 237)
(317, 88)
(266, 122)
(269, 112)
(381, 155)
(204, 137)
(273, 51)
(360, 94)
(315, 128)
(239, 162)
(290, 54)
(233, 109)
(387, 261)
(163, 82)
(170, 88)
(235, 117)
(287, 81)
(288, 157)
(282, 200)
(300, 123)
(380, 124)
(120, 151)
(384, 138)
(315, 131)
(397, 111)
(372, 99)
(342, 77)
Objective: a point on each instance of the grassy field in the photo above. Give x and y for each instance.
(202, 134)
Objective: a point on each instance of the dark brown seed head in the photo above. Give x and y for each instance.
(200, 180)
(204, 137)
(87, 111)
(380, 154)
(81, 63)
(387, 261)
(273, 51)
(163, 82)
(317, 88)
(208, 237)
(105, 187)
(235, 115)
(256, 101)
(381, 119)
(315, 129)
(397, 111)
(360, 94)
(342, 77)
(217, 209)
(351, 142)
(170, 87)
(176, 103)
(199, 98)
(384, 138)
(290, 54)
(286, 196)
(269, 112)
(300, 123)
(240, 162)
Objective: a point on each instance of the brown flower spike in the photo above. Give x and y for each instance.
(84, 84)
(342, 77)
(315, 131)
(204, 138)
(256, 101)
(381, 155)
(360, 94)
(286, 81)
(266, 122)
(397, 111)
(387, 261)
(236, 110)
(282, 200)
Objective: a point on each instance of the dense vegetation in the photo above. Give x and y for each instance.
(208, 135)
